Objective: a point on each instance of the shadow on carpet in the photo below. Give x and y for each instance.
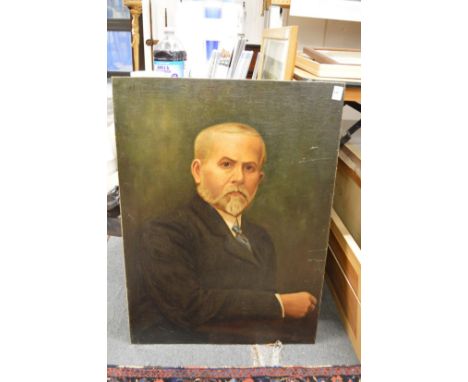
(259, 374)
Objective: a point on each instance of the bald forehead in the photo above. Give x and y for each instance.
(236, 148)
(223, 137)
(209, 141)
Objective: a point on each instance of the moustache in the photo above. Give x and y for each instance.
(242, 192)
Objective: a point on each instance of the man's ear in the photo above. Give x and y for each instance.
(196, 167)
(260, 178)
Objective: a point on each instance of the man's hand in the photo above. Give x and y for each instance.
(297, 305)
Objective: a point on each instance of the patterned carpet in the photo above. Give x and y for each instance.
(261, 374)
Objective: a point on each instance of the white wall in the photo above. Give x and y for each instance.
(325, 33)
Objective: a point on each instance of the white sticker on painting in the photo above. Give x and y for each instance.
(337, 93)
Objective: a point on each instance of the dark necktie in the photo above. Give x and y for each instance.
(240, 237)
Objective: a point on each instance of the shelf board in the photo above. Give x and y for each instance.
(281, 3)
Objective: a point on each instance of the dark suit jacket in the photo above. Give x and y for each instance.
(195, 273)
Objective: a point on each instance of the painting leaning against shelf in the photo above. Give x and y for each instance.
(226, 192)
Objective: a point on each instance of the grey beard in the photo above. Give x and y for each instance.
(233, 205)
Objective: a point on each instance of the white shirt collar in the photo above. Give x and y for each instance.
(229, 219)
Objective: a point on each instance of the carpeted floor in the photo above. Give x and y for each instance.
(332, 346)
(259, 374)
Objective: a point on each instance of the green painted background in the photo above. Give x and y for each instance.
(156, 122)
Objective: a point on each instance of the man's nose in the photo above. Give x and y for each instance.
(237, 175)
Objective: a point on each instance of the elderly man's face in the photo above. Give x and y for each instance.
(229, 177)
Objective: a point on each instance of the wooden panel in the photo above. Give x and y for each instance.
(353, 154)
(348, 299)
(348, 267)
(281, 3)
(349, 158)
(255, 49)
(353, 94)
(347, 200)
(343, 274)
(351, 172)
(345, 239)
(347, 303)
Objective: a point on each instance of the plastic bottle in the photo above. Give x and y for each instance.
(169, 56)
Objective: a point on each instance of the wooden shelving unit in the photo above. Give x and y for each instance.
(343, 268)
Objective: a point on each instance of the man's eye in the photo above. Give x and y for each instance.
(226, 164)
(250, 168)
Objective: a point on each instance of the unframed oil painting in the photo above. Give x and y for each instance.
(226, 191)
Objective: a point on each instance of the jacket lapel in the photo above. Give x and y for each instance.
(233, 247)
(215, 223)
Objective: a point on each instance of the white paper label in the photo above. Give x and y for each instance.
(337, 93)
(169, 69)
